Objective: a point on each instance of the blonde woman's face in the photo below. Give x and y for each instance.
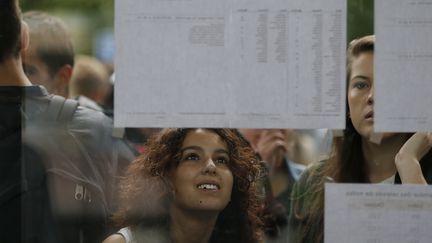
(360, 94)
(202, 179)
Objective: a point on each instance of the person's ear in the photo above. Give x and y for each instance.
(63, 76)
(25, 36)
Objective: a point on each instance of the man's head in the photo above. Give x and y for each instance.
(10, 29)
(90, 78)
(50, 57)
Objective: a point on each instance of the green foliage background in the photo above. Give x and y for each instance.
(360, 18)
(94, 15)
(103, 10)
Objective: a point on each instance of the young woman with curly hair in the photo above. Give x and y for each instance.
(192, 185)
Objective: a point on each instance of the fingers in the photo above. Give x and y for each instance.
(272, 146)
(273, 136)
(272, 141)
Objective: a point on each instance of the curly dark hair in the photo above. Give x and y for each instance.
(146, 191)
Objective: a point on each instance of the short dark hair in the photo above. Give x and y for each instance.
(10, 29)
(51, 40)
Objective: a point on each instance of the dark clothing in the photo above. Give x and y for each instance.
(78, 149)
(122, 153)
(277, 211)
(24, 199)
(285, 197)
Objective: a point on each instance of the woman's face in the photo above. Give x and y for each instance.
(202, 180)
(360, 94)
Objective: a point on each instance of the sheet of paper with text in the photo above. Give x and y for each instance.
(230, 63)
(377, 213)
(403, 65)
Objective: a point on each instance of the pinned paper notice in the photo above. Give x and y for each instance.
(403, 61)
(245, 63)
(377, 213)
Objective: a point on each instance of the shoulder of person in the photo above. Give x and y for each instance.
(86, 102)
(92, 123)
(312, 172)
(85, 115)
(310, 182)
(115, 238)
(305, 193)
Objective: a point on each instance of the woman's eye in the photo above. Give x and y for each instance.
(361, 85)
(191, 157)
(222, 160)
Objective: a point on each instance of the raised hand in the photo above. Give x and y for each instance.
(272, 147)
(408, 157)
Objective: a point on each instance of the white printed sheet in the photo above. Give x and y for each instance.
(226, 63)
(403, 65)
(377, 213)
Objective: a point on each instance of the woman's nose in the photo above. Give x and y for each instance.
(370, 98)
(209, 167)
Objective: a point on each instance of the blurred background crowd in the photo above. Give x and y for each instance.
(71, 53)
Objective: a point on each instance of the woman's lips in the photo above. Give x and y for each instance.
(208, 185)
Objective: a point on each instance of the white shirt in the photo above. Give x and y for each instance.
(295, 168)
(389, 180)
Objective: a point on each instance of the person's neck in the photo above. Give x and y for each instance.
(12, 73)
(279, 181)
(191, 226)
(380, 157)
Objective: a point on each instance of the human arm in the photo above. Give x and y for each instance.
(408, 157)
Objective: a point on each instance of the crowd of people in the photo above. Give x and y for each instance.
(67, 175)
